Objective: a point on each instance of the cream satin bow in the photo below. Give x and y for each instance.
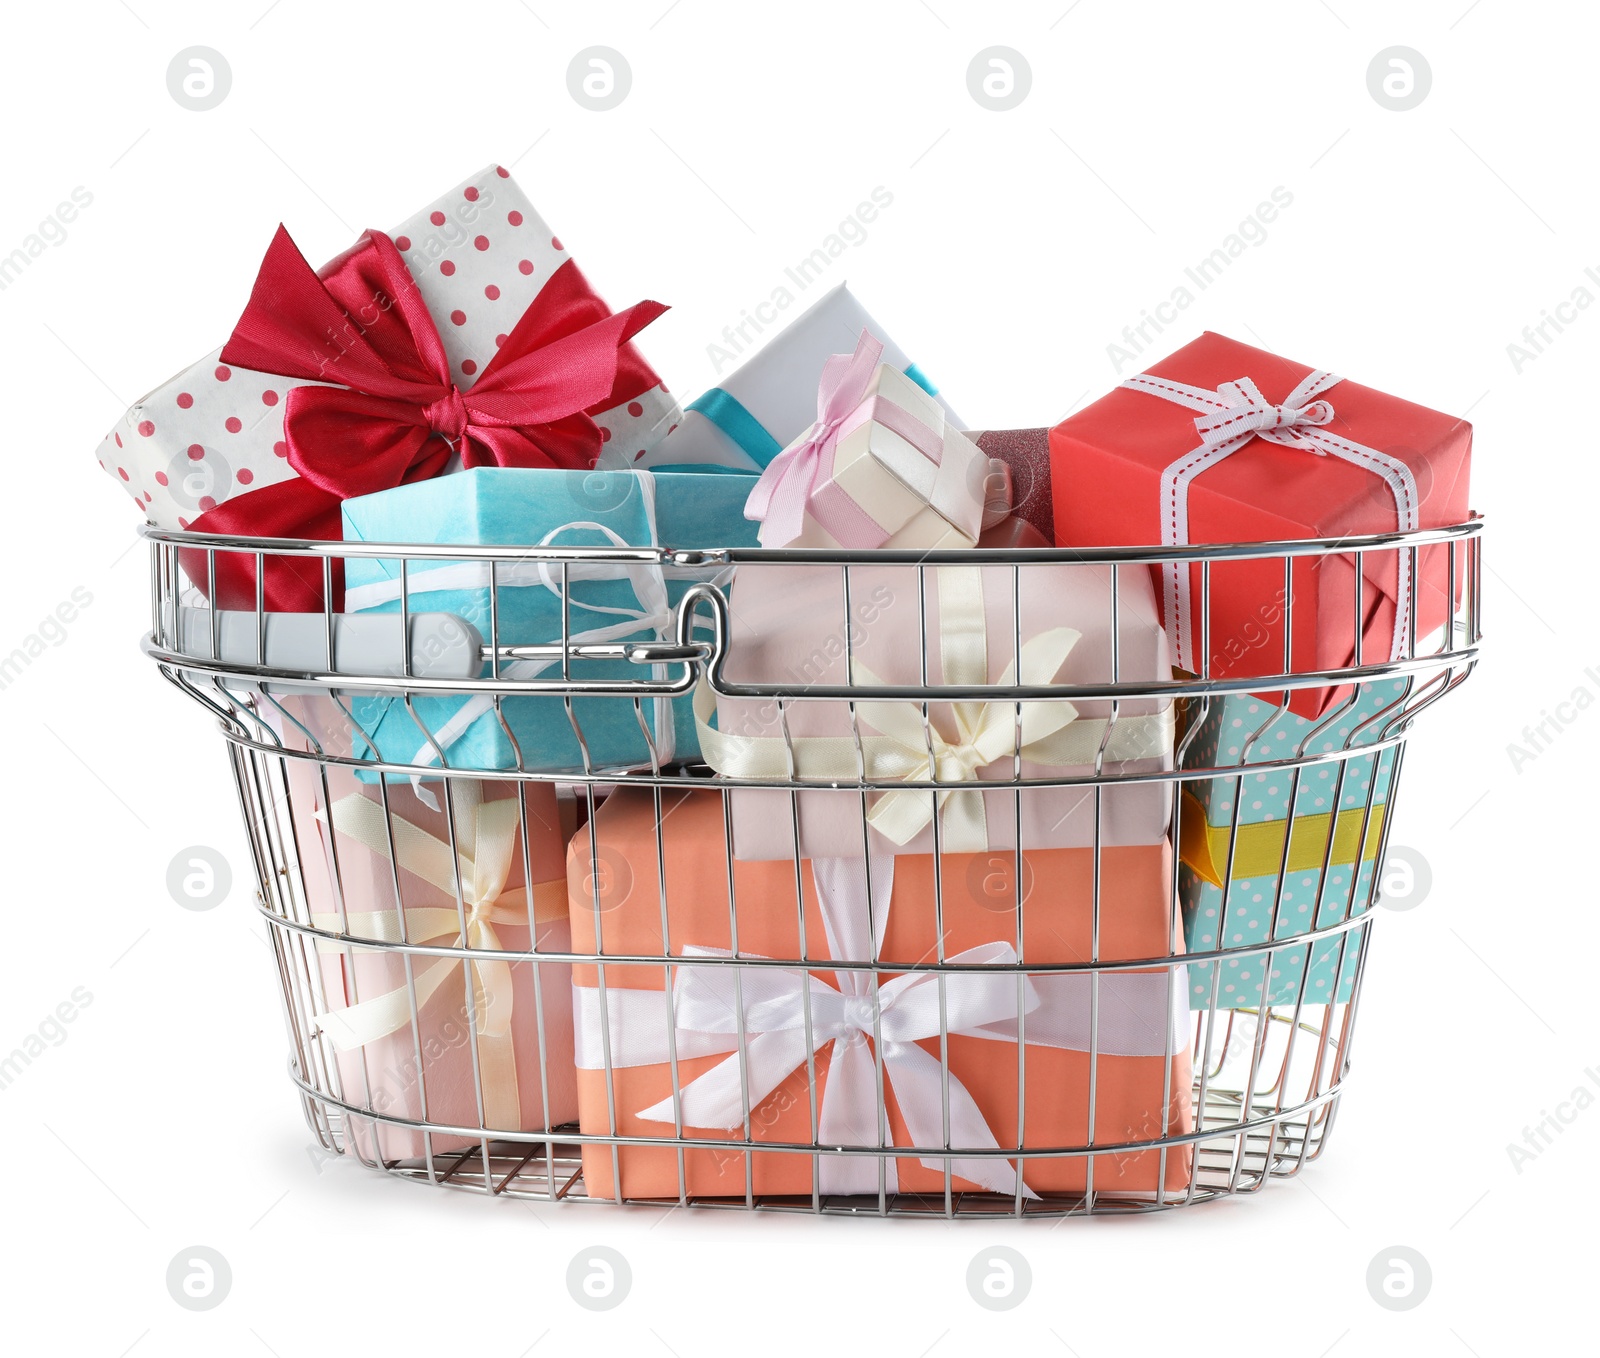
(1052, 732)
(487, 834)
(985, 732)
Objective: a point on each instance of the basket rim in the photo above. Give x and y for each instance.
(732, 556)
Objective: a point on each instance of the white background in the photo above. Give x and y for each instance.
(1017, 247)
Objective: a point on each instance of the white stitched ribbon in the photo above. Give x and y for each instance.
(1230, 417)
(487, 834)
(1052, 733)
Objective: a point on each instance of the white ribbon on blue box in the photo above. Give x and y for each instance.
(506, 506)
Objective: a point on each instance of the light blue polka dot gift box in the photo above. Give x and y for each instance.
(1235, 830)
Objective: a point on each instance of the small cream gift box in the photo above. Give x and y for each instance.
(882, 466)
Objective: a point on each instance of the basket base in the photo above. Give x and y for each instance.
(1236, 1151)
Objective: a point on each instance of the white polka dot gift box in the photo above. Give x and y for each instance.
(408, 355)
(1226, 909)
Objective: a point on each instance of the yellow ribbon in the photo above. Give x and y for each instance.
(1258, 851)
(1052, 732)
(487, 834)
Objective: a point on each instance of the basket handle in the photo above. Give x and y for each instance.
(695, 654)
(247, 648)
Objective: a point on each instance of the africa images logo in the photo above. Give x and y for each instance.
(52, 230)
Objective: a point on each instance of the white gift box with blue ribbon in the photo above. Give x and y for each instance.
(503, 506)
(768, 401)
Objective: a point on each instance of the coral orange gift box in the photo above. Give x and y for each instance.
(660, 1048)
(1222, 442)
(503, 1026)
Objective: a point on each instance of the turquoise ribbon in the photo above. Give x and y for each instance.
(738, 424)
(749, 435)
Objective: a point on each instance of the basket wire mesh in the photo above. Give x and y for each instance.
(1260, 1082)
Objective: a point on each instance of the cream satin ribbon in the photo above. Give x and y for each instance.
(1052, 732)
(710, 1010)
(487, 835)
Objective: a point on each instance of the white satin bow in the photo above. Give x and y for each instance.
(770, 1004)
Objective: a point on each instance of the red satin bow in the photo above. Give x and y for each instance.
(393, 414)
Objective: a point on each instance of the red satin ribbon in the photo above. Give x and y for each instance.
(393, 414)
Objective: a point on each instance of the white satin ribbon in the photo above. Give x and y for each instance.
(712, 1004)
(1051, 731)
(487, 834)
(1230, 417)
(1131, 1006)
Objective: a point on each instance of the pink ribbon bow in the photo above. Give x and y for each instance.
(798, 479)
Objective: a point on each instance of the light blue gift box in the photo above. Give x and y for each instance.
(1224, 741)
(505, 506)
(1258, 805)
(1244, 917)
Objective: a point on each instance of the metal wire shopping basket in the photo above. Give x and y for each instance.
(398, 962)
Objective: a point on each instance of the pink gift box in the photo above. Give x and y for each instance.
(424, 1070)
(788, 629)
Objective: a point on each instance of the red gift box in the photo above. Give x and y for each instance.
(1222, 442)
